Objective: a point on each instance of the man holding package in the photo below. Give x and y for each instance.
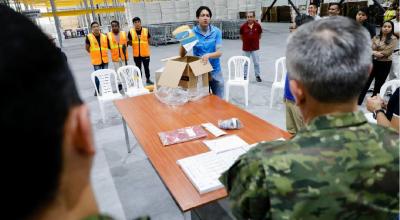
(208, 48)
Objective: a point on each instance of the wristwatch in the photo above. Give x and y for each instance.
(377, 111)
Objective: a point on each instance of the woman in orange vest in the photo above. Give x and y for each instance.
(139, 40)
(97, 46)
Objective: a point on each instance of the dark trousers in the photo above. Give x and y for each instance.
(99, 67)
(380, 71)
(146, 62)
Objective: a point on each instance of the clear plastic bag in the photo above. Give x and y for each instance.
(172, 96)
(179, 96)
(230, 124)
(182, 135)
(199, 91)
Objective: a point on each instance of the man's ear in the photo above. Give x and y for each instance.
(297, 90)
(81, 130)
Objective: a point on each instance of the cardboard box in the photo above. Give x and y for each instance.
(185, 72)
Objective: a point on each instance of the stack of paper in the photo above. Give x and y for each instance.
(204, 170)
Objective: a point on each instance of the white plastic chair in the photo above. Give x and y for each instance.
(133, 80)
(236, 78)
(105, 77)
(280, 76)
(392, 84)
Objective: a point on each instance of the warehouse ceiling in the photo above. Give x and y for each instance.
(68, 3)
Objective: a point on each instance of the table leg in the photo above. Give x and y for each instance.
(126, 135)
(187, 215)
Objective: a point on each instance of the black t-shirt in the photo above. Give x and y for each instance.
(371, 29)
(138, 32)
(393, 105)
(98, 41)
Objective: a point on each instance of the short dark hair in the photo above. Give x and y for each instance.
(200, 9)
(93, 23)
(365, 10)
(315, 4)
(251, 12)
(302, 19)
(116, 22)
(136, 19)
(37, 98)
(335, 3)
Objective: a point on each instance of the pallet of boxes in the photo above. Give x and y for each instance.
(184, 78)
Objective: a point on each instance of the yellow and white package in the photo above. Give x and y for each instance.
(185, 35)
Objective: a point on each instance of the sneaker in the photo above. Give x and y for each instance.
(258, 78)
(119, 87)
(95, 93)
(245, 77)
(149, 82)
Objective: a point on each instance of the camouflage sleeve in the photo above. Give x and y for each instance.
(247, 188)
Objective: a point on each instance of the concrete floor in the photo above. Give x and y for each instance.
(126, 185)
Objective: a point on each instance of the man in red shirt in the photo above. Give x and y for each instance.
(250, 33)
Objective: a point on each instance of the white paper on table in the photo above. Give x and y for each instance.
(225, 143)
(213, 129)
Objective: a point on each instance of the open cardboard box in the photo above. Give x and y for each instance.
(185, 72)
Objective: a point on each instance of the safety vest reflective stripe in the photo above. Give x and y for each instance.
(98, 53)
(140, 46)
(117, 48)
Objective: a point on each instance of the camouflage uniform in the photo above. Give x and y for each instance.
(338, 167)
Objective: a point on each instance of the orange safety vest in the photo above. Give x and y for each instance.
(98, 53)
(140, 46)
(117, 48)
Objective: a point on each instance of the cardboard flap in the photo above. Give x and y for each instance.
(199, 68)
(172, 74)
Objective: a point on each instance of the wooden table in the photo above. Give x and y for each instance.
(146, 116)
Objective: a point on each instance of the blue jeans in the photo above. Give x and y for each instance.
(99, 67)
(217, 84)
(255, 56)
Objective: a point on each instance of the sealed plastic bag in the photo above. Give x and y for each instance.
(230, 124)
(182, 135)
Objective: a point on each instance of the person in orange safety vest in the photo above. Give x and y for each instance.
(97, 46)
(139, 40)
(118, 41)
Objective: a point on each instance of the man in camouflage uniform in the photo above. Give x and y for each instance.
(338, 166)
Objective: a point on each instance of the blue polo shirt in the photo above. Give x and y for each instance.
(208, 44)
(288, 94)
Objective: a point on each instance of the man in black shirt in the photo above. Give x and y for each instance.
(138, 38)
(362, 17)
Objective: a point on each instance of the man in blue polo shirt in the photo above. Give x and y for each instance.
(294, 119)
(208, 48)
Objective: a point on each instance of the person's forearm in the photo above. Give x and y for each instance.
(216, 54)
(395, 123)
(382, 120)
(388, 51)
